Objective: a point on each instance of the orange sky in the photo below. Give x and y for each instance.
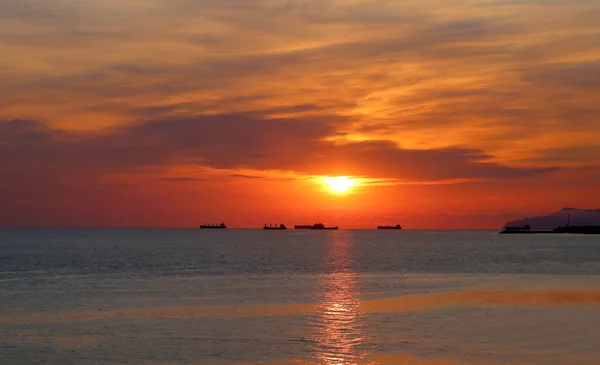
(451, 114)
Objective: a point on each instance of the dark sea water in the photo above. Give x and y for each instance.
(159, 296)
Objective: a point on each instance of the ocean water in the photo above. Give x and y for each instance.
(190, 296)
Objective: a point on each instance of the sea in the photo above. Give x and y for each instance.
(298, 297)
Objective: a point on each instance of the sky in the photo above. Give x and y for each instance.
(442, 113)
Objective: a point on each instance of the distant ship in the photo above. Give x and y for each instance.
(397, 226)
(307, 226)
(275, 227)
(214, 226)
(321, 226)
(525, 229)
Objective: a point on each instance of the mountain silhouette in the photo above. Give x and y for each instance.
(579, 217)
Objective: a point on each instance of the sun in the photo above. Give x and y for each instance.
(339, 184)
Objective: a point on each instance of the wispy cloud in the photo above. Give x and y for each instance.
(181, 179)
(242, 176)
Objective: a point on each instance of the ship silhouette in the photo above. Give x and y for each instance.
(275, 227)
(397, 226)
(214, 226)
(321, 226)
(313, 226)
(517, 229)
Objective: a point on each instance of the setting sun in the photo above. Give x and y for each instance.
(339, 184)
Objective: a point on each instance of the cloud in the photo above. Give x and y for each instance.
(242, 176)
(579, 75)
(484, 66)
(577, 155)
(181, 179)
(237, 141)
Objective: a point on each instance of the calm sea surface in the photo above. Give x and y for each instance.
(159, 296)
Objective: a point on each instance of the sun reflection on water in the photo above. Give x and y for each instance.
(339, 335)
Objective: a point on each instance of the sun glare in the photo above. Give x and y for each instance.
(339, 184)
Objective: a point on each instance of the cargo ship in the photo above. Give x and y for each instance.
(214, 226)
(321, 226)
(397, 226)
(525, 229)
(275, 227)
